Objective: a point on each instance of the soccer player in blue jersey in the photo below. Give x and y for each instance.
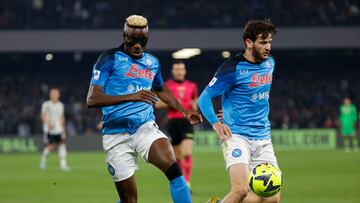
(244, 82)
(125, 83)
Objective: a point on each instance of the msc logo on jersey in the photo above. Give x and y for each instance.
(96, 74)
(136, 72)
(132, 88)
(212, 82)
(260, 96)
(236, 153)
(258, 80)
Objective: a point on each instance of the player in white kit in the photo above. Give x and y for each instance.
(53, 119)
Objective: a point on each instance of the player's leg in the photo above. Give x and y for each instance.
(175, 132)
(161, 155)
(62, 153)
(262, 152)
(237, 154)
(121, 164)
(354, 142)
(155, 148)
(127, 190)
(46, 151)
(238, 174)
(346, 139)
(186, 145)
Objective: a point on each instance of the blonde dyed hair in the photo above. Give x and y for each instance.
(136, 21)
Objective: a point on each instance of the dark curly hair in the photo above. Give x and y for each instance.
(255, 27)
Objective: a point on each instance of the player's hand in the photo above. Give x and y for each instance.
(144, 96)
(222, 130)
(220, 115)
(193, 117)
(63, 136)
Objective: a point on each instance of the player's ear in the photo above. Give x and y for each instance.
(249, 43)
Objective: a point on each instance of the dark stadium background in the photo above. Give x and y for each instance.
(317, 52)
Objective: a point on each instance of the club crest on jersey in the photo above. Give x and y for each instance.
(136, 72)
(148, 61)
(96, 74)
(258, 80)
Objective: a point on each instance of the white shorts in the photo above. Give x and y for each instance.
(122, 149)
(252, 152)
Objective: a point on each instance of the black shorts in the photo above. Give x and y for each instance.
(179, 129)
(54, 139)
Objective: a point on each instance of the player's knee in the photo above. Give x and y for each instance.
(241, 192)
(173, 171)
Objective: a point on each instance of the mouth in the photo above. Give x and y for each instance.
(137, 53)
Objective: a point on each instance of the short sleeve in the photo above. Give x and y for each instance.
(102, 69)
(44, 107)
(158, 81)
(224, 79)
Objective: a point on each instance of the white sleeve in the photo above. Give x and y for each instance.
(44, 107)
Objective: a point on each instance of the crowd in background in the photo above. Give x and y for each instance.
(100, 14)
(302, 100)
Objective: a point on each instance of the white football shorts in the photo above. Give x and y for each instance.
(238, 149)
(122, 149)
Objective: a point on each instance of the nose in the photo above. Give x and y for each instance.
(268, 47)
(137, 46)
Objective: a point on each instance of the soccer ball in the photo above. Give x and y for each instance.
(265, 180)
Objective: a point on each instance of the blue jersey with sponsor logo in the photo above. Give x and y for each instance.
(245, 88)
(120, 74)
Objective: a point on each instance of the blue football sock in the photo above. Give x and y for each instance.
(180, 192)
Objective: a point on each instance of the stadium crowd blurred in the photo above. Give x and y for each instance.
(293, 103)
(97, 14)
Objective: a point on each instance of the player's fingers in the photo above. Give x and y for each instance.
(150, 93)
(149, 98)
(228, 131)
(146, 101)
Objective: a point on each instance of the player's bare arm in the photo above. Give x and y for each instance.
(97, 98)
(45, 120)
(167, 97)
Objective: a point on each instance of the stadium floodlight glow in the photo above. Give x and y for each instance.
(186, 53)
(225, 54)
(49, 57)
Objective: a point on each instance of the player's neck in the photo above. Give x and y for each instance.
(178, 81)
(250, 57)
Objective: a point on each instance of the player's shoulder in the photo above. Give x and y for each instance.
(231, 64)
(150, 59)
(46, 102)
(271, 58)
(106, 57)
(190, 83)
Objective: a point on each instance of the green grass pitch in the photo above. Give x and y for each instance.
(310, 177)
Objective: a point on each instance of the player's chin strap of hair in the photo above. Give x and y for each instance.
(173, 171)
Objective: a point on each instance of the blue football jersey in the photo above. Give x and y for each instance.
(120, 74)
(245, 89)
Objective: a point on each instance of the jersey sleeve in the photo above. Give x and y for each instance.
(44, 107)
(224, 79)
(158, 81)
(102, 69)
